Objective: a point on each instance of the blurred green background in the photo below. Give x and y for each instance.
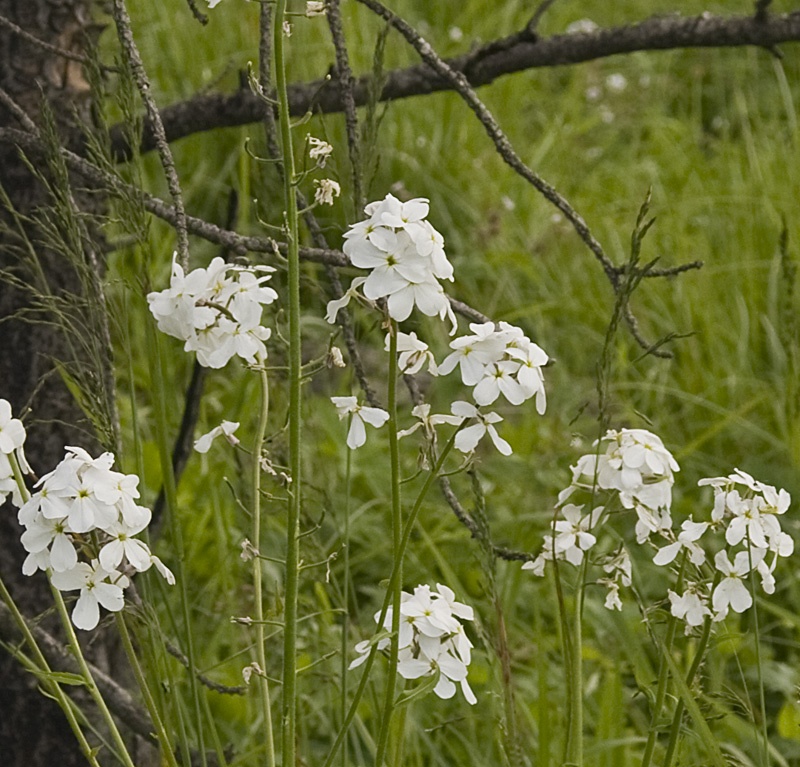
(714, 134)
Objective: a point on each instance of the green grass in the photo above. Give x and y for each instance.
(714, 134)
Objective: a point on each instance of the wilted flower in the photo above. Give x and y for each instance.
(327, 190)
(318, 150)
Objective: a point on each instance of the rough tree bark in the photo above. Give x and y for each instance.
(33, 730)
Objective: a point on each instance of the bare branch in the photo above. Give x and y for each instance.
(125, 34)
(210, 111)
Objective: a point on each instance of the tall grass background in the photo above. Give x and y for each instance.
(714, 134)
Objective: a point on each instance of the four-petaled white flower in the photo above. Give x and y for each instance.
(97, 585)
(467, 439)
(689, 606)
(413, 354)
(731, 591)
(360, 414)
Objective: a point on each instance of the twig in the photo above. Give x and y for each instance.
(202, 678)
(196, 12)
(344, 77)
(540, 11)
(118, 698)
(125, 34)
(19, 112)
(762, 9)
(210, 111)
(17, 30)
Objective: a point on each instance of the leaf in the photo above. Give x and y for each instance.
(417, 692)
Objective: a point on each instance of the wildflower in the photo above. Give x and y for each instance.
(327, 190)
(572, 537)
(413, 354)
(315, 8)
(429, 422)
(616, 82)
(731, 591)
(360, 414)
(431, 640)
(687, 538)
(406, 256)
(97, 586)
(12, 432)
(203, 444)
(689, 606)
(337, 304)
(216, 311)
(467, 439)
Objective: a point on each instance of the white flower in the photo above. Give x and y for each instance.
(572, 537)
(613, 602)
(431, 640)
(689, 607)
(405, 255)
(203, 444)
(216, 311)
(360, 414)
(429, 422)
(42, 533)
(413, 354)
(467, 439)
(12, 432)
(687, 538)
(616, 82)
(731, 591)
(636, 464)
(337, 304)
(213, 3)
(97, 586)
(327, 190)
(319, 150)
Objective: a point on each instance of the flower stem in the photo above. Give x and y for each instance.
(397, 569)
(149, 701)
(674, 733)
(156, 363)
(663, 675)
(289, 701)
(574, 749)
(409, 525)
(346, 596)
(86, 673)
(263, 682)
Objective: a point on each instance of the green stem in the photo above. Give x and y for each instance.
(764, 751)
(663, 674)
(574, 750)
(171, 496)
(674, 733)
(289, 700)
(91, 685)
(149, 701)
(397, 569)
(409, 525)
(263, 682)
(346, 597)
(53, 686)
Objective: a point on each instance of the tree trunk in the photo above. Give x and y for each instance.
(33, 730)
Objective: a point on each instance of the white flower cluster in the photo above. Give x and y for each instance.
(432, 640)
(216, 311)
(748, 512)
(406, 257)
(499, 360)
(640, 468)
(84, 509)
(12, 438)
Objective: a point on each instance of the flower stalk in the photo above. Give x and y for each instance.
(289, 701)
(398, 551)
(263, 682)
